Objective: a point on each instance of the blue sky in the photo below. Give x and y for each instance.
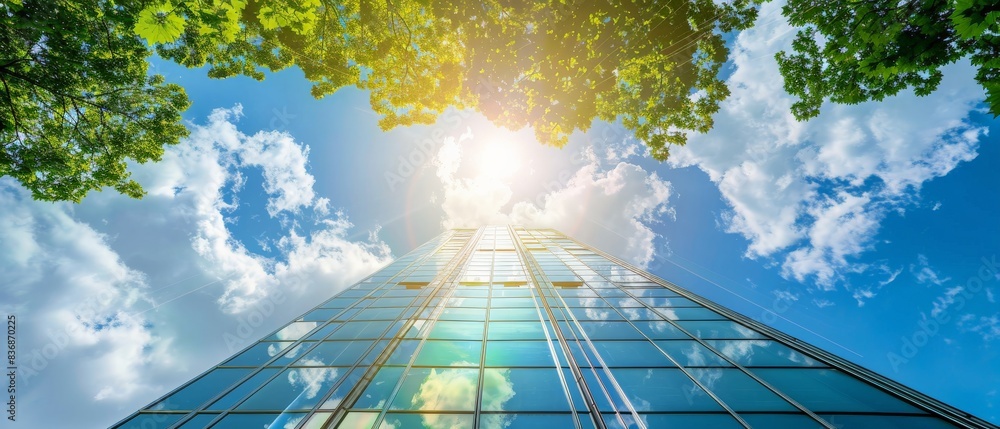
(869, 231)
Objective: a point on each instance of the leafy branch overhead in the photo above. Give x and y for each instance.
(77, 103)
(549, 65)
(851, 51)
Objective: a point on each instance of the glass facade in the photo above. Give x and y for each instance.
(508, 327)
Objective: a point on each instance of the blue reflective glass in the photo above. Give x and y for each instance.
(449, 353)
(762, 353)
(360, 330)
(525, 421)
(323, 332)
(630, 354)
(211, 384)
(719, 329)
(519, 353)
(660, 330)
(739, 391)
(151, 421)
(596, 314)
(689, 313)
(243, 389)
(514, 314)
(450, 330)
(320, 315)
(468, 314)
(403, 352)
(258, 354)
(199, 421)
(515, 331)
(663, 389)
(334, 353)
(293, 331)
(512, 303)
(270, 420)
(632, 313)
(293, 389)
(828, 390)
(610, 331)
(886, 422)
(787, 421)
(376, 395)
(714, 421)
(691, 353)
(428, 421)
(437, 389)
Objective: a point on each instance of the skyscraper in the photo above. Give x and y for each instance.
(508, 327)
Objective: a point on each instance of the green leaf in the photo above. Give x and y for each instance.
(159, 24)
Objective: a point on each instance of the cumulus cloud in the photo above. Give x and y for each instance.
(812, 195)
(611, 206)
(195, 176)
(90, 283)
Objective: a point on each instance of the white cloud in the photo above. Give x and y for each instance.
(121, 300)
(925, 274)
(611, 207)
(813, 194)
(195, 176)
(986, 326)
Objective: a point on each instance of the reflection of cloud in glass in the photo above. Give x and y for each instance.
(275, 348)
(694, 356)
(290, 424)
(295, 330)
(456, 389)
(669, 313)
(311, 379)
(744, 331)
(742, 351)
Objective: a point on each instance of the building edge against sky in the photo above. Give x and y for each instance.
(508, 327)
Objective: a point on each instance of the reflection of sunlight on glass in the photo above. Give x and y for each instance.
(498, 160)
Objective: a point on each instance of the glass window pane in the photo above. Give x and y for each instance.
(514, 314)
(661, 330)
(689, 313)
(293, 389)
(719, 329)
(519, 353)
(202, 389)
(886, 422)
(471, 314)
(516, 331)
(788, 421)
(320, 315)
(358, 420)
(663, 389)
(762, 353)
(321, 333)
(258, 354)
(596, 314)
(360, 330)
(293, 331)
(275, 420)
(829, 390)
(151, 421)
(243, 389)
(199, 421)
(631, 353)
(525, 421)
(523, 389)
(610, 331)
(714, 421)
(449, 330)
(438, 389)
(691, 353)
(335, 353)
(739, 391)
(376, 395)
(449, 353)
(428, 421)
(403, 352)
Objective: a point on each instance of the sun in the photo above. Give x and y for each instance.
(498, 159)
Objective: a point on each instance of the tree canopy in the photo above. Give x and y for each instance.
(549, 65)
(77, 101)
(850, 51)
